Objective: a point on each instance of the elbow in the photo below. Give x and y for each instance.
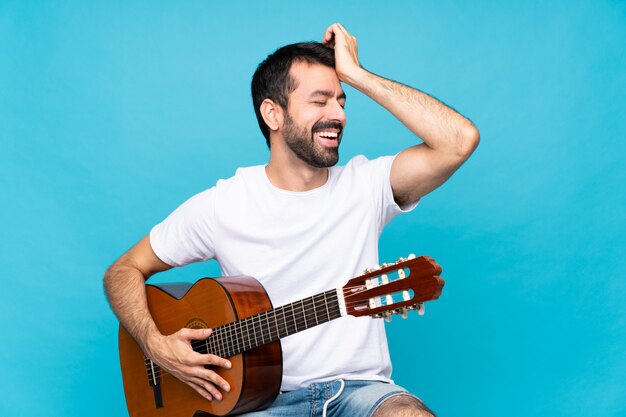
(108, 278)
(469, 140)
(112, 276)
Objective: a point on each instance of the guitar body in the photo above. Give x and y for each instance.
(255, 376)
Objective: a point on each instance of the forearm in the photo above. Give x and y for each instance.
(439, 126)
(125, 289)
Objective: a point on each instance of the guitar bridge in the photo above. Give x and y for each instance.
(154, 379)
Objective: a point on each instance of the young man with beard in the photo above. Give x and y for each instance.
(302, 225)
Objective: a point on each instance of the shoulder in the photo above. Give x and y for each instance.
(244, 177)
(361, 165)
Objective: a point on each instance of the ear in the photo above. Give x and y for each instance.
(272, 114)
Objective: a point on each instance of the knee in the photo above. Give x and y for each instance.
(403, 406)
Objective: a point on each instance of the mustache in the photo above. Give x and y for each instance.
(327, 125)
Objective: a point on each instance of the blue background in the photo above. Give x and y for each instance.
(113, 113)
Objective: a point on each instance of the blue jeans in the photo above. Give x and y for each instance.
(357, 399)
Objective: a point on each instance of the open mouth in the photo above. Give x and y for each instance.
(328, 137)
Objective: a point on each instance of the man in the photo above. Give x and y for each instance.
(302, 225)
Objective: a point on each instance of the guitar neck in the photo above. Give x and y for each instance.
(242, 335)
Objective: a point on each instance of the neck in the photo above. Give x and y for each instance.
(269, 326)
(286, 171)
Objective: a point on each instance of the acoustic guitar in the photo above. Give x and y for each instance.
(247, 330)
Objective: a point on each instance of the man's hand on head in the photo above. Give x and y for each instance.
(346, 52)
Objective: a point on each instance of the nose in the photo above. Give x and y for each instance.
(336, 112)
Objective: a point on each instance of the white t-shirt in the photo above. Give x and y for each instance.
(296, 244)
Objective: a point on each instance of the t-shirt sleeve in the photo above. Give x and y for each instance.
(186, 235)
(379, 173)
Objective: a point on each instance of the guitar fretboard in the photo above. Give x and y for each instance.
(242, 335)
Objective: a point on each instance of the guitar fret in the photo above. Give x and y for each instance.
(248, 333)
(241, 337)
(256, 342)
(237, 336)
(285, 320)
(280, 331)
(320, 313)
(263, 329)
(212, 344)
(295, 322)
(224, 339)
(260, 330)
(326, 305)
(229, 338)
(218, 342)
(276, 324)
(268, 329)
(234, 337)
(300, 317)
(314, 311)
(304, 314)
(307, 311)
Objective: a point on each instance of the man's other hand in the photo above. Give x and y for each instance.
(175, 354)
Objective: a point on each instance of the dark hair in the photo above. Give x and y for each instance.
(271, 78)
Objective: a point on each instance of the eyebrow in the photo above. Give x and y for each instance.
(328, 93)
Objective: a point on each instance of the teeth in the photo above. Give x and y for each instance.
(332, 135)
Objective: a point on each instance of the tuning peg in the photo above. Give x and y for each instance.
(404, 313)
(368, 285)
(421, 309)
(411, 256)
(388, 297)
(400, 259)
(387, 316)
(371, 269)
(405, 294)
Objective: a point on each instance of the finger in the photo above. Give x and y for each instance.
(207, 386)
(330, 42)
(215, 378)
(209, 359)
(332, 33)
(328, 34)
(342, 29)
(218, 361)
(204, 388)
(194, 334)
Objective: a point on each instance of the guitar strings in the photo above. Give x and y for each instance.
(229, 329)
(229, 332)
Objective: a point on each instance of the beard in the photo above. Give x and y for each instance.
(303, 145)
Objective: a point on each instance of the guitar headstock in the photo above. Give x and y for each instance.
(394, 288)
